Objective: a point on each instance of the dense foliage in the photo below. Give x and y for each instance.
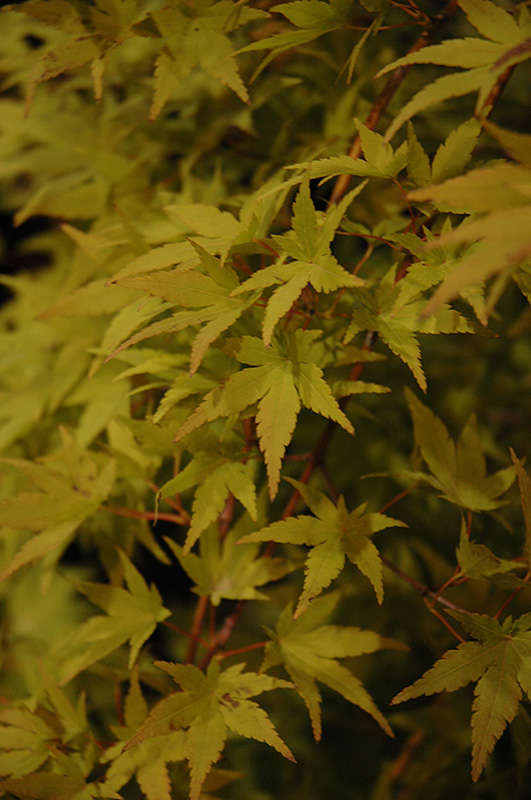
(248, 504)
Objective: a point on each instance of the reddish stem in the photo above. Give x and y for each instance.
(181, 632)
(422, 587)
(246, 649)
(197, 623)
(118, 703)
(398, 497)
(134, 514)
(445, 622)
(511, 597)
(223, 635)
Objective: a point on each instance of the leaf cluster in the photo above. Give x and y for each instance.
(262, 233)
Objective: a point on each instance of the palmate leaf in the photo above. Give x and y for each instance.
(395, 312)
(380, 161)
(478, 562)
(500, 194)
(25, 740)
(500, 661)
(228, 570)
(451, 156)
(71, 488)
(308, 245)
(458, 470)
(28, 737)
(484, 60)
(333, 535)
(148, 760)
(309, 652)
(56, 786)
(76, 160)
(313, 19)
(185, 43)
(204, 225)
(33, 384)
(217, 469)
(222, 477)
(434, 261)
(68, 778)
(208, 707)
(188, 42)
(132, 615)
(280, 379)
(209, 294)
(74, 50)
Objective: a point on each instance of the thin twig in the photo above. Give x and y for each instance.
(431, 608)
(229, 623)
(151, 515)
(511, 597)
(182, 632)
(403, 759)
(398, 497)
(495, 92)
(422, 587)
(197, 623)
(246, 649)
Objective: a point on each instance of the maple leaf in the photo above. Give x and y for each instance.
(148, 760)
(280, 379)
(29, 737)
(34, 383)
(68, 782)
(434, 261)
(91, 39)
(380, 161)
(459, 470)
(477, 561)
(76, 163)
(25, 740)
(71, 489)
(500, 661)
(451, 157)
(197, 41)
(333, 535)
(313, 19)
(206, 227)
(182, 387)
(208, 707)
(506, 42)
(309, 651)
(396, 315)
(217, 470)
(73, 50)
(132, 615)
(308, 245)
(498, 237)
(209, 293)
(226, 570)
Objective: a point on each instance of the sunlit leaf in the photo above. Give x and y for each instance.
(333, 535)
(208, 707)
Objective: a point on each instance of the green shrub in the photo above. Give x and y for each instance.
(245, 499)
